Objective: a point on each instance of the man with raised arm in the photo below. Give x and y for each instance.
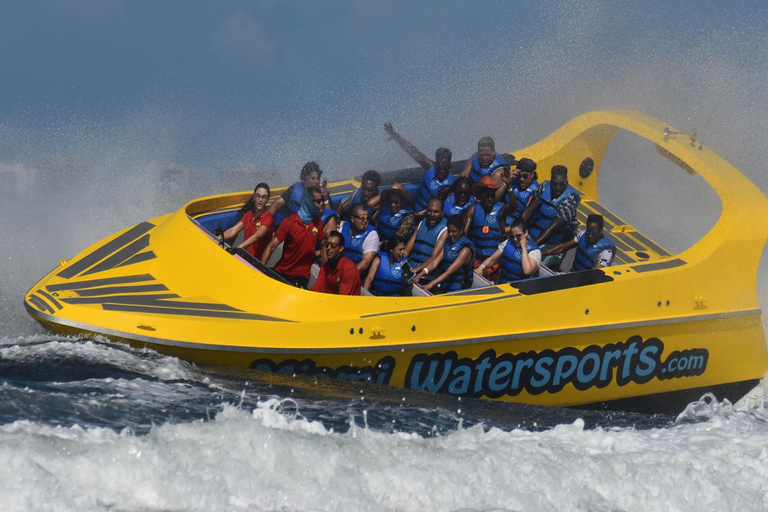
(438, 176)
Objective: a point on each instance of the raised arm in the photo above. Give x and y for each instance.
(467, 170)
(409, 148)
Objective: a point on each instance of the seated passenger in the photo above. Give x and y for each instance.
(300, 234)
(460, 197)
(593, 248)
(485, 221)
(338, 275)
(361, 240)
(396, 213)
(524, 182)
(519, 259)
(485, 161)
(429, 238)
(551, 213)
(438, 175)
(386, 275)
(455, 267)
(367, 194)
(290, 200)
(257, 222)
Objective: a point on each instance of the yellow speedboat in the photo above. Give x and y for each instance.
(652, 332)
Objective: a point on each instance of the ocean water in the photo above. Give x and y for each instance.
(88, 425)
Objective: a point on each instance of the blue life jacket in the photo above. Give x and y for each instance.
(389, 223)
(486, 243)
(512, 262)
(586, 254)
(430, 186)
(451, 208)
(327, 213)
(462, 278)
(292, 205)
(547, 211)
(388, 280)
(353, 244)
(426, 239)
(478, 172)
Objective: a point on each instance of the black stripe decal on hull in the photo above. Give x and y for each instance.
(92, 283)
(618, 235)
(113, 290)
(120, 256)
(650, 244)
(40, 304)
(142, 256)
(50, 299)
(608, 216)
(105, 250)
(191, 312)
(120, 299)
(677, 262)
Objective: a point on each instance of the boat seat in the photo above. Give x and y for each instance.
(479, 281)
(313, 273)
(275, 257)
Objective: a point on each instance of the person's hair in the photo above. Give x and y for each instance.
(337, 235)
(486, 142)
(356, 208)
(312, 189)
(309, 168)
(443, 153)
(526, 165)
(461, 180)
(436, 199)
(560, 170)
(373, 176)
(596, 218)
(250, 204)
(394, 242)
(519, 223)
(456, 221)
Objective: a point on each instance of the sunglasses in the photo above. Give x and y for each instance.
(332, 245)
(362, 217)
(318, 201)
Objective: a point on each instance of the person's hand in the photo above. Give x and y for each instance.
(390, 130)
(429, 286)
(479, 270)
(324, 190)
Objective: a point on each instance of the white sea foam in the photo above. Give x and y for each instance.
(268, 460)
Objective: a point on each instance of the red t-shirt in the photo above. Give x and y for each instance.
(251, 226)
(299, 243)
(344, 279)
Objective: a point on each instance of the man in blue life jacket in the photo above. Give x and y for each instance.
(523, 182)
(428, 240)
(437, 179)
(551, 214)
(289, 201)
(367, 194)
(519, 256)
(593, 248)
(485, 221)
(360, 238)
(486, 161)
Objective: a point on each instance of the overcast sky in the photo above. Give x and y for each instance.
(210, 84)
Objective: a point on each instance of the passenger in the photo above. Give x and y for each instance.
(386, 274)
(524, 184)
(519, 259)
(367, 194)
(485, 221)
(300, 234)
(460, 198)
(438, 175)
(257, 222)
(593, 248)
(396, 214)
(290, 200)
(456, 264)
(485, 161)
(428, 240)
(338, 275)
(360, 238)
(551, 213)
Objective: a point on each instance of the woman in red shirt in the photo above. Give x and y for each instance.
(257, 222)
